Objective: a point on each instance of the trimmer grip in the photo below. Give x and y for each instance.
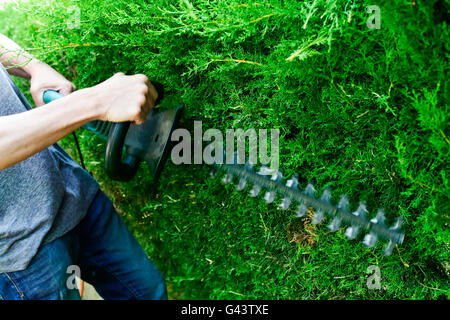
(51, 95)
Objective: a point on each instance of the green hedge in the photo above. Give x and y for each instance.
(363, 111)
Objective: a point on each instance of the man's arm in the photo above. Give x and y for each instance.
(120, 98)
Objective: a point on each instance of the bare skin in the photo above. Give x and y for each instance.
(118, 99)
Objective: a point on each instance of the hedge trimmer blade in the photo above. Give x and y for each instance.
(357, 221)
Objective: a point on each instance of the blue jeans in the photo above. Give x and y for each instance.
(106, 253)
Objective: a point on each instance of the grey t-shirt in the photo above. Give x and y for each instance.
(41, 198)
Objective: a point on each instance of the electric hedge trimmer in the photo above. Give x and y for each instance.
(150, 142)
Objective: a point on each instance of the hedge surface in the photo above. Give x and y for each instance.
(363, 111)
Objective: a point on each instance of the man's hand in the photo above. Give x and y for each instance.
(43, 78)
(124, 98)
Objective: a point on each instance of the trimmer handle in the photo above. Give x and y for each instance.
(115, 168)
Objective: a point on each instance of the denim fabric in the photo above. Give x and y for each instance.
(108, 255)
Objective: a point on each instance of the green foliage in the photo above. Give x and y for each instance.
(363, 111)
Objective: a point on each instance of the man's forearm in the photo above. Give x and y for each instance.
(18, 61)
(24, 134)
